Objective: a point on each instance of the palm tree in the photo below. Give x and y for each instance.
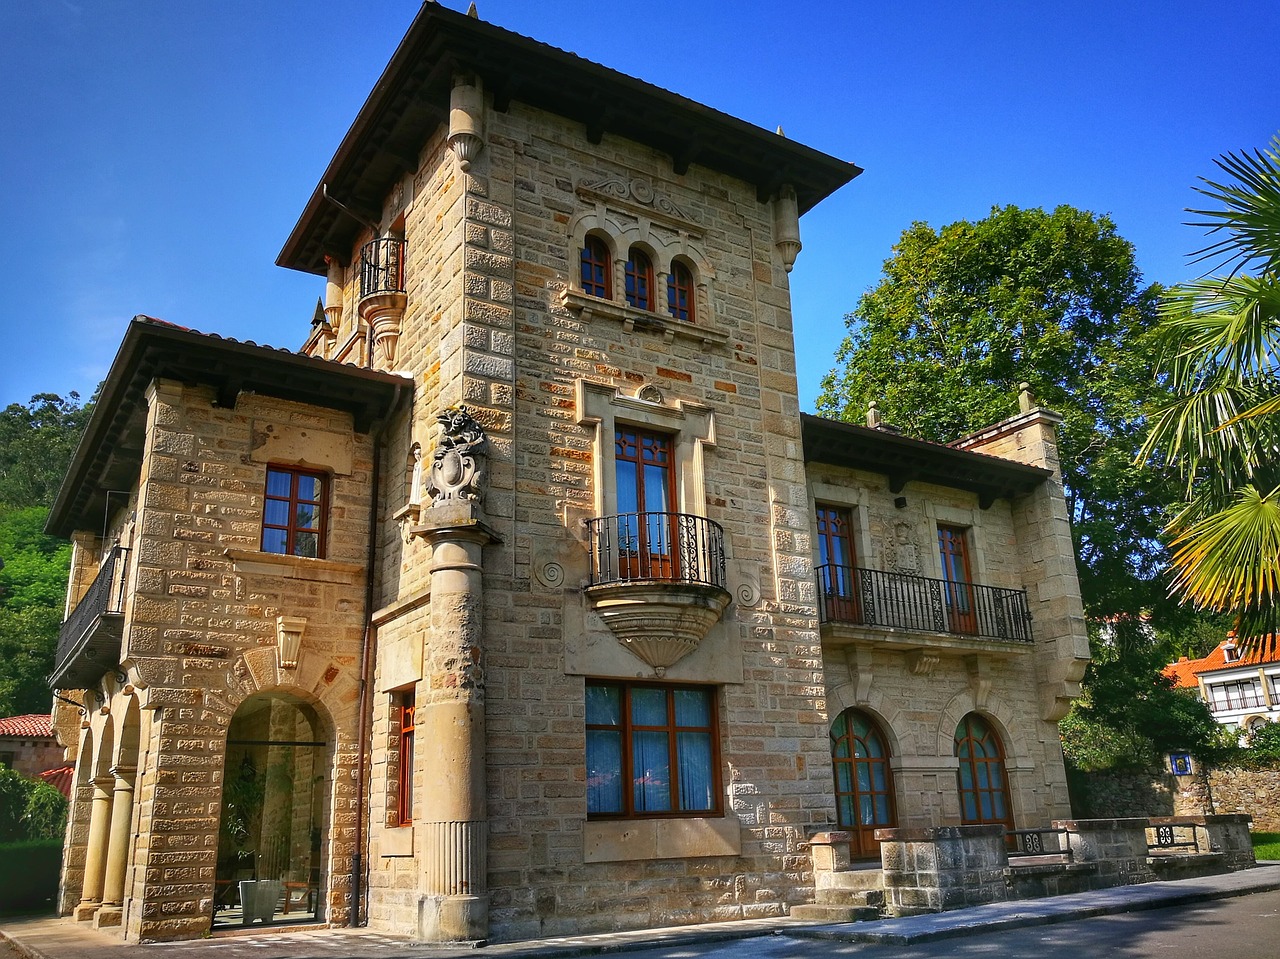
(1222, 429)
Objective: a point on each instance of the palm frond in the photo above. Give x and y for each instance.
(1250, 216)
(1230, 560)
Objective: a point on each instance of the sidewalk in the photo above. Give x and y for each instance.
(66, 939)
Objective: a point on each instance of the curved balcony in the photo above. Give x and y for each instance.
(89, 641)
(382, 296)
(658, 581)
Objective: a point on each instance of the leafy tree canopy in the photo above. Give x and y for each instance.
(36, 443)
(964, 314)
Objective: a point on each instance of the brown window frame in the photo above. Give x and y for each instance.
(639, 284)
(626, 729)
(863, 845)
(680, 283)
(840, 581)
(594, 259)
(973, 762)
(406, 713)
(953, 551)
(292, 529)
(654, 552)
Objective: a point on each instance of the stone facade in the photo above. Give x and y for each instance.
(456, 643)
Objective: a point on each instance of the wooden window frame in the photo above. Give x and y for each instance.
(864, 845)
(405, 711)
(973, 762)
(292, 529)
(840, 587)
(626, 728)
(953, 551)
(595, 258)
(649, 559)
(680, 283)
(639, 279)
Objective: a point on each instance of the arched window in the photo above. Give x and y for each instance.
(864, 782)
(639, 280)
(680, 292)
(596, 270)
(984, 787)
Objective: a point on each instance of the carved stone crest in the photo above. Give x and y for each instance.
(634, 190)
(458, 463)
(904, 552)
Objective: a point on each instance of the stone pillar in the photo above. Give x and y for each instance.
(117, 848)
(454, 820)
(96, 849)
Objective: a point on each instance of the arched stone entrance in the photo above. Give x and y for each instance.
(273, 819)
(864, 781)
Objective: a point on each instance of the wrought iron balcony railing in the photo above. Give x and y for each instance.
(870, 597)
(382, 266)
(666, 547)
(89, 640)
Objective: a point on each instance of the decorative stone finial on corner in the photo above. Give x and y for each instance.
(786, 226)
(458, 463)
(873, 415)
(473, 12)
(466, 120)
(1026, 399)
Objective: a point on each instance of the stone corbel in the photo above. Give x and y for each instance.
(289, 631)
(858, 659)
(979, 679)
(922, 662)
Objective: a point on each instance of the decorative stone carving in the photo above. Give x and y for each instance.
(458, 463)
(633, 190)
(659, 623)
(786, 226)
(289, 631)
(650, 394)
(904, 552)
(466, 121)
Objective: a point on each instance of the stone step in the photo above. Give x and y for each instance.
(849, 897)
(850, 879)
(828, 912)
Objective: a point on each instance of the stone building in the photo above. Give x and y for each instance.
(523, 600)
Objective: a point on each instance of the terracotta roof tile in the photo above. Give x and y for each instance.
(32, 724)
(1184, 671)
(59, 779)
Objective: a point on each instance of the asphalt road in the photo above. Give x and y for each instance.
(1246, 927)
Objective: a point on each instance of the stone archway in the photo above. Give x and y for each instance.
(273, 817)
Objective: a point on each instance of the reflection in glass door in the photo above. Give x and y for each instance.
(864, 782)
(272, 822)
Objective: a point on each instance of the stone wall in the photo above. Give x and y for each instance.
(1229, 791)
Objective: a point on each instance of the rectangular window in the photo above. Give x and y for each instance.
(644, 469)
(652, 750)
(404, 711)
(953, 549)
(836, 561)
(293, 512)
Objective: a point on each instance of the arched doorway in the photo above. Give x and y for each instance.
(864, 782)
(274, 796)
(983, 784)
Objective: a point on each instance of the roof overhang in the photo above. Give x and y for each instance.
(411, 99)
(109, 456)
(904, 459)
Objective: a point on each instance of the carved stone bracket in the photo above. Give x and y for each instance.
(458, 464)
(659, 623)
(289, 631)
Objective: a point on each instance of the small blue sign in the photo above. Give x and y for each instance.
(1180, 763)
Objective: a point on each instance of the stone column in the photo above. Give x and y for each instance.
(454, 820)
(117, 848)
(96, 849)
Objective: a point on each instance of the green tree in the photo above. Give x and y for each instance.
(30, 809)
(964, 314)
(1221, 429)
(36, 443)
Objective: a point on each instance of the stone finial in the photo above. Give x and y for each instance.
(457, 465)
(1026, 399)
(873, 415)
(786, 226)
(466, 120)
(473, 12)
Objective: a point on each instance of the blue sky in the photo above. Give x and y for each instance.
(156, 154)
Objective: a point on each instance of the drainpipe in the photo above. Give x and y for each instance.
(368, 655)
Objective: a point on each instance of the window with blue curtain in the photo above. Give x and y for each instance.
(651, 750)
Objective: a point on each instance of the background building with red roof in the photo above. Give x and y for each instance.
(1241, 687)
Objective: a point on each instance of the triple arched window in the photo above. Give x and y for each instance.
(641, 290)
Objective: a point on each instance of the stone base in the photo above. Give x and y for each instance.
(453, 919)
(108, 917)
(86, 911)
